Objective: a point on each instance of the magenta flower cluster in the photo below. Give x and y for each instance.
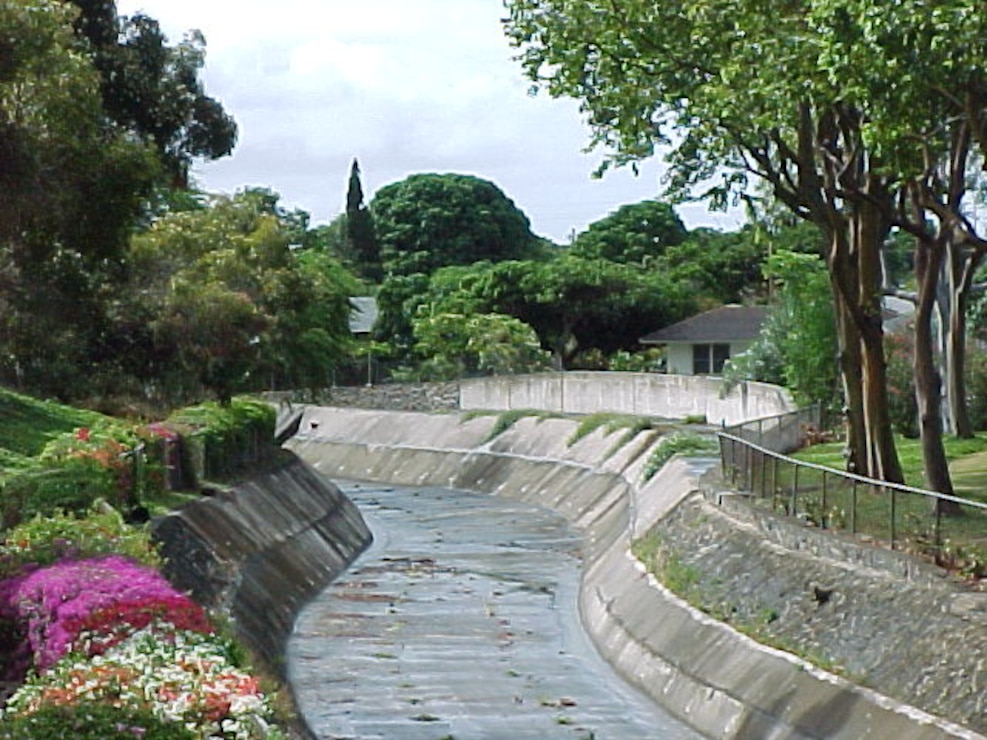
(51, 604)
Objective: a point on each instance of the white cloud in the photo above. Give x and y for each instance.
(424, 86)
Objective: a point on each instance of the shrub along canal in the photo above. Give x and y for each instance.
(460, 622)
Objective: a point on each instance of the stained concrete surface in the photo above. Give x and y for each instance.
(460, 622)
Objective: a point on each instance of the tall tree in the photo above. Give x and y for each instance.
(427, 221)
(70, 189)
(154, 90)
(230, 302)
(648, 73)
(360, 237)
(633, 233)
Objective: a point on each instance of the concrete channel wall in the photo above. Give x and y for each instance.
(259, 551)
(642, 394)
(716, 679)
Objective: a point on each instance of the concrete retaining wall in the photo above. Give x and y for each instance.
(643, 394)
(261, 550)
(713, 677)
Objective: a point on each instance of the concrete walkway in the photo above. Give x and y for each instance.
(460, 622)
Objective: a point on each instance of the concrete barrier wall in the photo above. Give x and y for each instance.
(714, 678)
(643, 394)
(261, 550)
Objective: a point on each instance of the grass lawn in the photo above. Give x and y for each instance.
(27, 424)
(909, 520)
(967, 462)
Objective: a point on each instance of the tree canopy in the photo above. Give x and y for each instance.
(858, 115)
(98, 114)
(427, 221)
(154, 90)
(228, 303)
(573, 304)
(633, 233)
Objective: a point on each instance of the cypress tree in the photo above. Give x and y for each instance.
(364, 253)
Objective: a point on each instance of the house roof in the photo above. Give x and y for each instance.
(724, 324)
(363, 315)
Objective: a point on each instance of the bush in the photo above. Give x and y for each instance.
(221, 440)
(688, 443)
(44, 540)
(647, 361)
(92, 721)
(976, 388)
(77, 468)
(54, 602)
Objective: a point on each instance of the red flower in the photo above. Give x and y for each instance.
(82, 434)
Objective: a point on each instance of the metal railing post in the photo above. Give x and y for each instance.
(853, 507)
(893, 496)
(795, 486)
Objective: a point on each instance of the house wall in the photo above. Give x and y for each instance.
(679, 356)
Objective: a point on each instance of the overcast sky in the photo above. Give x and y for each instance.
(404, 86)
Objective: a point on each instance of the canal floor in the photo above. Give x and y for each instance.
(460, 623)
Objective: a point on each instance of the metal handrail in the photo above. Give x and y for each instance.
(749, 471)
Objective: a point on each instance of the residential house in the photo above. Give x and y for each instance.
(701, 344)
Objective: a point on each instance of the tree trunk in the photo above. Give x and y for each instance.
(928, 395)
(853, 394)
(960, 266)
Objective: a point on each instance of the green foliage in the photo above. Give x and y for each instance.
(976, 386)
(361, 247)
(508, 419)
(457, 345)
(77, 468)
(681, 579)
(721, 267)
(29, 424)
(573, 304)
(137, 66)
(633, 233)
(797, 347)
(221, 439)
(678, 443)
(214, 334)
(428, 221)
(902, 406)
(651, 360)
(92, 721)
(228, 304)
(612, 422)
(101, 530)
(73, 186)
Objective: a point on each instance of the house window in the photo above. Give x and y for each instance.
(708, 359)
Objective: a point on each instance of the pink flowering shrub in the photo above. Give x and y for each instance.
(54, 602)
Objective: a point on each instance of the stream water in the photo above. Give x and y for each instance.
(460, 622)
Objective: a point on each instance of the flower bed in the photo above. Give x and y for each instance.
(109, 631)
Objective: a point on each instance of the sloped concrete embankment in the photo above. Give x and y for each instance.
(716, 679)
(259, 551)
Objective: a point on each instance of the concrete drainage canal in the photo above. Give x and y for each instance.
(460, 622)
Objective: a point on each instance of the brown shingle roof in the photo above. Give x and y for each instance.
(724, 324)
